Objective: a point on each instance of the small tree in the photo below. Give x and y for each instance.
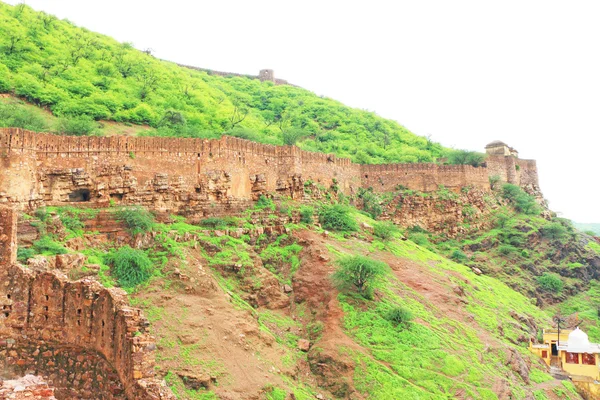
(291, 136)
(359, 272)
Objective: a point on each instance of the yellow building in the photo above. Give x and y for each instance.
(571, 351)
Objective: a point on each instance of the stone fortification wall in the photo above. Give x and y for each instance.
(201, 176)
(264, 75)
(422, 177)
(79, 334)
(513, 170)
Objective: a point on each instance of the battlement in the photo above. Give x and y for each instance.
(55, 169)
(263, 74)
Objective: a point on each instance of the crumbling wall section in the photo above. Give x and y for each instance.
(79, 332)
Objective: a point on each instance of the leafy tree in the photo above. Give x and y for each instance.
(523, 202)
(359, 272)
(291, 136)
(466, 157)
(78, 126)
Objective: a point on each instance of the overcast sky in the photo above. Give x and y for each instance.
(465, 72)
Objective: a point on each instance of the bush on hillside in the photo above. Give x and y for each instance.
(359, 272)
(77, 126)
(554, 230)
(19, 116)
(550, 282)
(385, 230)
(137, 219)
(217, 222)
(25, 253)
(371, 202)
(337, 217)
(131, 267)
(48, 246)
(264, 202)
(307, 214)
(459, 256)
(523, 202)
(399, 316)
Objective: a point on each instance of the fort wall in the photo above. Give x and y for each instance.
(192, 175)
(79, 333)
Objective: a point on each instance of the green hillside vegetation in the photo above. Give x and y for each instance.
(82, 77)
(390, 323)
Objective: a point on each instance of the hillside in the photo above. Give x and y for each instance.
(82, 76)
(136, 264)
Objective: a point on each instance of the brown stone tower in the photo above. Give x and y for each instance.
(266, 75)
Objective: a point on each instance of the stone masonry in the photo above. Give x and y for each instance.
(83, 338)
(202, 177)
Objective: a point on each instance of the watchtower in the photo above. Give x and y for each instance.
(498, 148)
(266, 75)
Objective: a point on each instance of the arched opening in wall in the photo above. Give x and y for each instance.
(116, 197)
(79, 195)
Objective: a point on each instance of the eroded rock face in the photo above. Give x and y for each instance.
(437, 214)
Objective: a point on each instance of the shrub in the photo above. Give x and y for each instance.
(419, 238)
(399, 316)
(130, 267)
(466, 157)
(494, 180)
(265, 202)
(336, 217)
(291, 136)
(25, 253)
(507, 249)
(550, 282)
(306, 215)
(522, 201)
(77, 126)
(359, 272)
(459, 256)
(554, 230)
(137, 219)
(18, 116)
(47, 246)
(385, 230)
(371, 202)
(216, 222)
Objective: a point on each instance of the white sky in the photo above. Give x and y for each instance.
(526, 72)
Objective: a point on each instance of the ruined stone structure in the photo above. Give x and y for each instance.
(265, 75)
(80, 336)
(200, 176)
(503, 161)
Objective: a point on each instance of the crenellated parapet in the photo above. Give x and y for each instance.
(185, 173)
